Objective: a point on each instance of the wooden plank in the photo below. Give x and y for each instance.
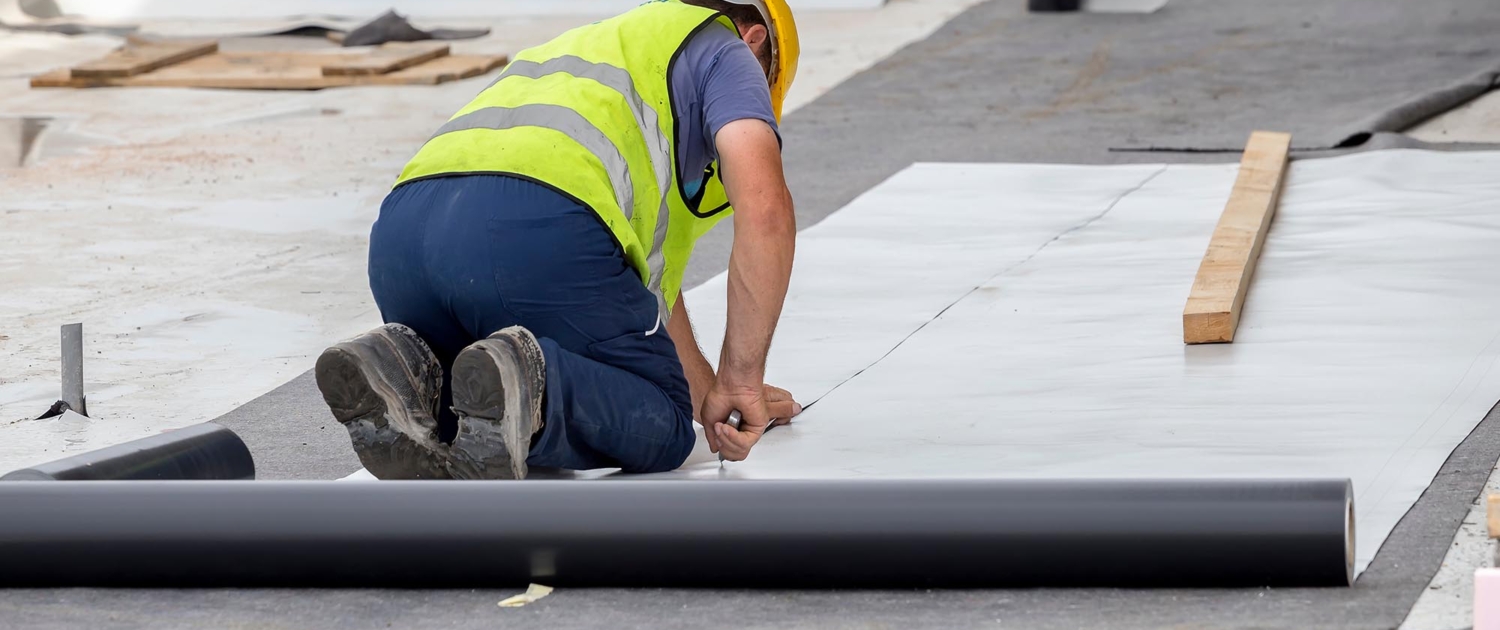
(442, 70)
(388, 58)
(247, 71)
(253, 70)
(61, 77)
(140, 59)
(1494, 515)
(1213, 307)
(232, 70)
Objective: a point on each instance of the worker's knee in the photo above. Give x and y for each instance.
(672, 453)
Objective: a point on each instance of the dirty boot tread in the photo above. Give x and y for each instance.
(374, 389)
(497, 395)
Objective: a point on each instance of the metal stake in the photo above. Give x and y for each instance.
(72, 368)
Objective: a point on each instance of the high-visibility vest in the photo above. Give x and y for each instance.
(589, 114)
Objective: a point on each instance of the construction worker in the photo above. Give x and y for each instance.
(529, 260)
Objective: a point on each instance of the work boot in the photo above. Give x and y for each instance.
(383, 386)
(497, 394)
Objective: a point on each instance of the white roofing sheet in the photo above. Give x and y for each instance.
(1024, 321)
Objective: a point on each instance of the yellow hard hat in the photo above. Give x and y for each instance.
(784, 47)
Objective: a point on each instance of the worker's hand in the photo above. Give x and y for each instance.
(758, 407)
(781, 404)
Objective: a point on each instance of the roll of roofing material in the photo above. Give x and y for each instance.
(201, 451)
(679, 533)
(1039, 6)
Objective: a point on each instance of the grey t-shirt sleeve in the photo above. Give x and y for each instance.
(716, 81)
(735, 88)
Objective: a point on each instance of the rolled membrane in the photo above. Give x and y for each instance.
(874, 533)
(202, 451)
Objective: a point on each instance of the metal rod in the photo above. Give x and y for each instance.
(72, 368)
(774, 534)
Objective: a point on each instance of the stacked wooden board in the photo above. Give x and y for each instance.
(201, 64)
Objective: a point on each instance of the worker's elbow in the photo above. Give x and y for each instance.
(776, 217)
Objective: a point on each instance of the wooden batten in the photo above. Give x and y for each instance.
(1218, 296)
(141, 58)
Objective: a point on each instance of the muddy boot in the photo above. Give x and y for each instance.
(383, 386)
(497, 393)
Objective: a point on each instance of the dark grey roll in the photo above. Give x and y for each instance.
(1053, 6)
(202, 451)
(679, 533)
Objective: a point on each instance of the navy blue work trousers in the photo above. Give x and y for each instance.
(457, 258)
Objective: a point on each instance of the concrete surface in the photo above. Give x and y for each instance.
(1448, 602)
(993, 85)
(1475, 121)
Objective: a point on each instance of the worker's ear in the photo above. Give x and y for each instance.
(759, 41)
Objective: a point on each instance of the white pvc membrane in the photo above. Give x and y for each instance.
(1367, 348)
(1024, 321)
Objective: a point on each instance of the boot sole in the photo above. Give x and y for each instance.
(371, 411)
(493, 406)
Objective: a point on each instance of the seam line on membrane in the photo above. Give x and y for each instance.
(1084, 224)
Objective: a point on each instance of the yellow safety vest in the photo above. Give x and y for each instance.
(589, 114)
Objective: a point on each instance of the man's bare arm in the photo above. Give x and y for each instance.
(699, 373)
(760, 268)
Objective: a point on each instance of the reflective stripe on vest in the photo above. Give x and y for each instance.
(564, 121)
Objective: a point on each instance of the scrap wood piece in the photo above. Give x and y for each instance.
(1494, 515)
(441, 70)
(387, 58)
(143, 57)
(247, 71)
(1218, 296)
(258, 70)
(62, 77)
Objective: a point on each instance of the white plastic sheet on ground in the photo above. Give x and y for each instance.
(1367, 348)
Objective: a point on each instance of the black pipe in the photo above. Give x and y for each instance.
(1048, 6)
(201, 451)
(678, 533)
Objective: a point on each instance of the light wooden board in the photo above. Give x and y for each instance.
(388, 58)
(1494, 515)
(441, 70)
(1213, 307)
(277, 71)
(142, 58)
